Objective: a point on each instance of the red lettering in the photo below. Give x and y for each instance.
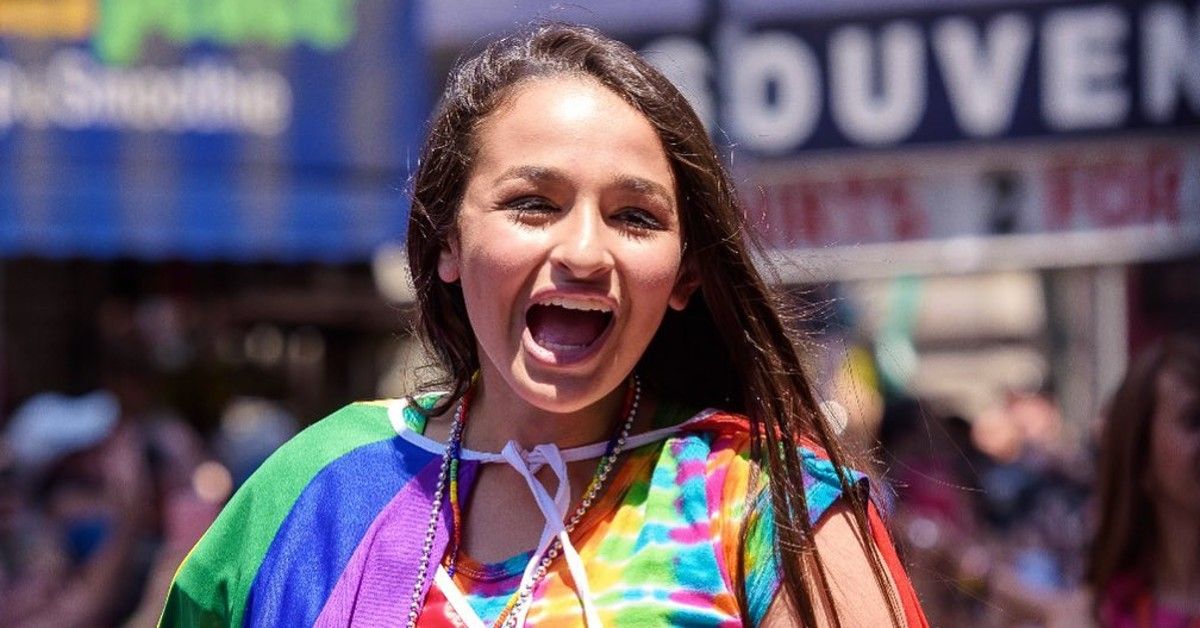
(849, 210)
(811, 217)
(908, 221)
(1165, 172)
(1058, 193)
(1115, 193)
(1109, 193)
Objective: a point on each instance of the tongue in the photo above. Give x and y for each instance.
(558, 326)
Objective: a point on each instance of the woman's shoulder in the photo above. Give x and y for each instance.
(728, 439)
(322, 443)
(725, 440)
(287, 471)
(345, 429)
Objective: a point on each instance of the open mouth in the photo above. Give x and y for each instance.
(567, 325)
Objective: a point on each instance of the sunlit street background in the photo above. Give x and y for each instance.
(983, 208)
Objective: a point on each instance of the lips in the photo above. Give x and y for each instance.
(566, 326)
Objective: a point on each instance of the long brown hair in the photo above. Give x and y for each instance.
(728, 349)
(1125, 535)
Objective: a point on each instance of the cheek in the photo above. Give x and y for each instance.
(1176, 455)
(655, 271)
(498, 259)
(493, 272)
(652, 288)
(657, 280)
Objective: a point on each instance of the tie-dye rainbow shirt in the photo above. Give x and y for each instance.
(323, 533)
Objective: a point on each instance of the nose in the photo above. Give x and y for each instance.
(582, 250)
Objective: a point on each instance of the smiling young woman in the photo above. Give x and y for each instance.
(628, 436)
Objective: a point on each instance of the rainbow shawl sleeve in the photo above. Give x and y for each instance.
(326, 529)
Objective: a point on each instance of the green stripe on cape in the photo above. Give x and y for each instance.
(212, 584)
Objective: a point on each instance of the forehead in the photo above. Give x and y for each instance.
(573, 122)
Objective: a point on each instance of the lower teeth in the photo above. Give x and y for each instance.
(554, 346)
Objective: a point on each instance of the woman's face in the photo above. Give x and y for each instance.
(568, 242)
(1175, 444)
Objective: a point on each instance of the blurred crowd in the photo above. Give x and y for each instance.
(993, 512)
(103, 494)
(1007, 518)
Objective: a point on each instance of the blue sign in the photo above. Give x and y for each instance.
(940, 74)
(217, 129)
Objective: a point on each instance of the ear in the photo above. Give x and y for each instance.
(685, 285)
(448, 269)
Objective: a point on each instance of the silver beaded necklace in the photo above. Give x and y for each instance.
(439, 491)
(525, 594)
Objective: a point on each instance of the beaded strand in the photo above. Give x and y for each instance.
(414, 605)
(448, 475)
(523, 596)
(455, 506)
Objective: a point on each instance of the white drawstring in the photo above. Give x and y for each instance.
(555, 512)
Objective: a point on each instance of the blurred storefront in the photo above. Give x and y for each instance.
(995, 194)
(997, 197)
(981, 179)
(214, 175)
(200, 335)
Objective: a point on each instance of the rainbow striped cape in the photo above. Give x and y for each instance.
(329, 530)
(292, 547)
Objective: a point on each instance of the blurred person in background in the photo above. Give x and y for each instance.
(185, 488)
(991, 511)
(74, 530)
(28, 553)
(1144, 567)
(102, 495)
(935, 472)
(1035, 489)
(251, 429)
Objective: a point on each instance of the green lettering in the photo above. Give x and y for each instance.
(270, 22)
(125, 24)
(326, 24)
(122, 24)
(196, 20)
(225, 22)
(174, 19)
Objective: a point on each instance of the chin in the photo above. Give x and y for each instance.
(562, 392)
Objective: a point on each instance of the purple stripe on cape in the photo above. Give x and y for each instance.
(376, 586)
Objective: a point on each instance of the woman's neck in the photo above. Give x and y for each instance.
(1176, 568)
(498, 415)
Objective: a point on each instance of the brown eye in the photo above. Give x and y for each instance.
(640, 219)
(531, 205)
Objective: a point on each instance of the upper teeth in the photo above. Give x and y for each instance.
(578, 304)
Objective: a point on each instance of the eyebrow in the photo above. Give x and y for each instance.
(536, 174)
(628, 183)
(645, 187)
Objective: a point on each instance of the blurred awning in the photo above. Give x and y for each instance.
(219, 214)
(192, 131)
(960, 210)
